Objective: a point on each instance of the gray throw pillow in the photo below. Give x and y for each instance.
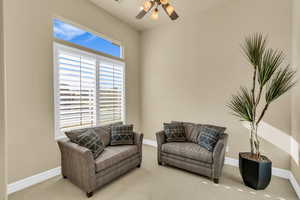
(92, 141)
(175, 132)
(122, 135)
(208, 138)
(73, 134)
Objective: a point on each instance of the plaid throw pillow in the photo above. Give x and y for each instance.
(219, 129)
(121, 135)
(90, 140)
(175, 132)
(208, 138)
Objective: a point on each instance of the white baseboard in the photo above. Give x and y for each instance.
(231, 161)
(150, 142)
(282, 173)
(295, 184)
(32, 180)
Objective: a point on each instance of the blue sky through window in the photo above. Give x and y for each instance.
(70, 33)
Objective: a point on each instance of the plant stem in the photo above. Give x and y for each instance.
(252, 140)
(253, 110)
(257, 144)
(263, 113)
(256, 141)
(258, 97)
(253, 94)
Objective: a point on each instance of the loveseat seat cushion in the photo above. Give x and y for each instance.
(188, 150)
(113, 155)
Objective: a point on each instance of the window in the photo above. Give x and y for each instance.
(89, 89)
(78, 36)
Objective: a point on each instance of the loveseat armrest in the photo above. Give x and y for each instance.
(160, 138)
(138, 140)
(219, 155)
(78, 165)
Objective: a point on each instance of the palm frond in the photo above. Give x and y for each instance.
(254, 48)
(282, 82)
(271, 61)
(242, 105)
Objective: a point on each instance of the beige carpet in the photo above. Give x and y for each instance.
(153, 182)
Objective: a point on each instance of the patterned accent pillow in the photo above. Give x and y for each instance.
(175, 132)
(104, 132)
(208, 138)
(122, 135)
(191, 131)
(219, 129)
(90, 140)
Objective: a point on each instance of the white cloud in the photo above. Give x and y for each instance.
(66, 31)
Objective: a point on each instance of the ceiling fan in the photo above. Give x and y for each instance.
(150, 4)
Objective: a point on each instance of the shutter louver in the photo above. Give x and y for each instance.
(110, 92)
(77, 91)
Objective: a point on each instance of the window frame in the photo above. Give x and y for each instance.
(58, 46)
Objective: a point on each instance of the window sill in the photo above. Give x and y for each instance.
(60, 137)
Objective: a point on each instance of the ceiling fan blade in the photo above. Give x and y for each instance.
(143, 12)
(172, 15)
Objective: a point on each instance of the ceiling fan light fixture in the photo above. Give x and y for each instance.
(147, 5)
(154, 14)
(164, 2)
(151, 6)
(170, 9)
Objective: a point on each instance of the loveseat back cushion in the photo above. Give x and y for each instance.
(191, 131)
(188, 150)
(92, 141)
(174, 132)
(113, 155)
(208, 138)
(122, 135)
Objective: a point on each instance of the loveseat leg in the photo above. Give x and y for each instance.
(89, 194)
(139, 166)
(216, 180)
(159, 163)
(65, 177)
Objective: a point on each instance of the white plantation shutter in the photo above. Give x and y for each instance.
(110, 92)
(89, 89)
(77, 91)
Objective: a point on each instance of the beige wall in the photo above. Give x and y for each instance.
(188, 79)
(29, 66)
(190, 69)
(2, 122)
(295, 167)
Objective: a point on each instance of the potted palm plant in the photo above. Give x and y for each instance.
(270, 80)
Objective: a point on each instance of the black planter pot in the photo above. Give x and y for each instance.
(256, 174)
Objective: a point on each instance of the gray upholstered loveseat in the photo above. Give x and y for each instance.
(79, 166)
(192, 157)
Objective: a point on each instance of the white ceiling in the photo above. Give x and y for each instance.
(126, 10)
